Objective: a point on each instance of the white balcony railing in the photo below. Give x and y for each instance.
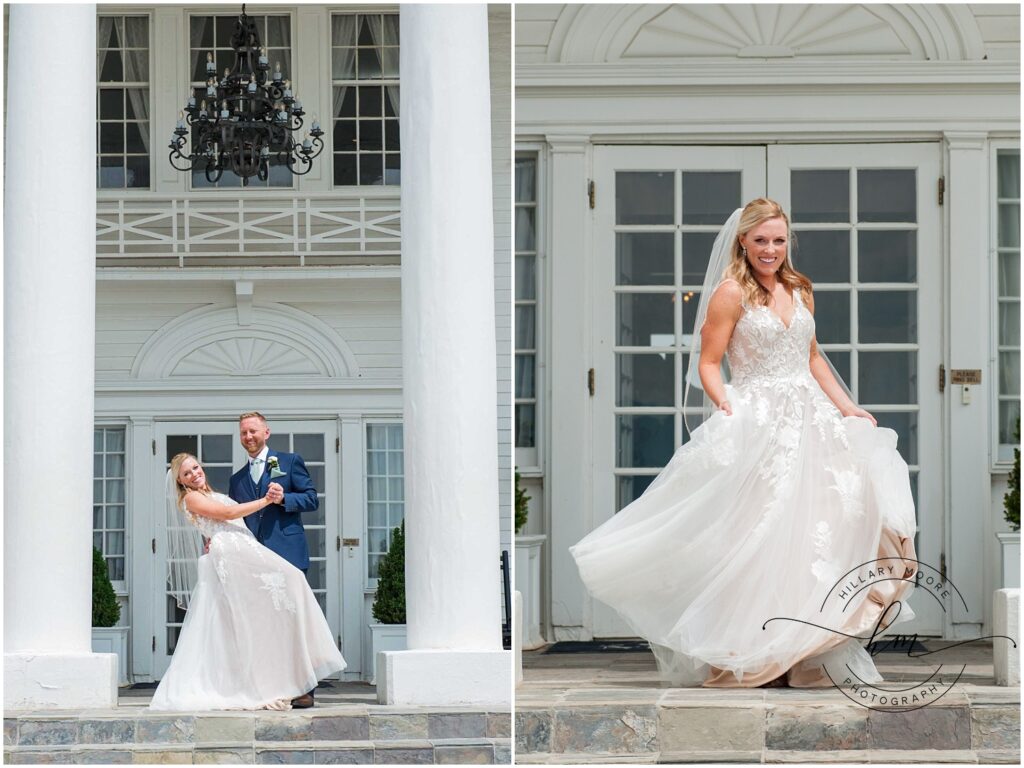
(296, 230)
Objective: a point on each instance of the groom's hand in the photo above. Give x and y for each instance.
(275, 492)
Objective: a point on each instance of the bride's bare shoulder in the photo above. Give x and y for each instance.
(727, 298)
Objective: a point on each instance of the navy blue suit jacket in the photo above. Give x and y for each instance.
(279, 526)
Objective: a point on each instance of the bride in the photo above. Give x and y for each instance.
(254, 636)
(733, 562)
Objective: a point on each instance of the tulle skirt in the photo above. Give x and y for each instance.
(254, 636)
(771, 536)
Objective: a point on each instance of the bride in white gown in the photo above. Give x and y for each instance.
(786, 490)
(254, 636)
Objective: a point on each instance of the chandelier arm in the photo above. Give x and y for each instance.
(190, 158)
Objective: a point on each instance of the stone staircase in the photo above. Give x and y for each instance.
(331, 733)
(611, 708)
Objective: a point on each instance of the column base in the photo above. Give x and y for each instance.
(441, 677)
(60, 680)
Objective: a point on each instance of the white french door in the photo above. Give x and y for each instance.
(218, 449)
(866, 226)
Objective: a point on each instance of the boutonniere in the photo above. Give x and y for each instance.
(275, 467)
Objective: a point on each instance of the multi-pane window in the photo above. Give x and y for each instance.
(212, 35)
(108, 504)
(364, 74)
(122, 102)
(385, 490)
(1008, 296)
(526, 300)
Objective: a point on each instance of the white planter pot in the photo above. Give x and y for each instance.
(528, 555)
(1010, 543)
(113, 640)
(385, 637)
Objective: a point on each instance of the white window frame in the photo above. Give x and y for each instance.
(115, 11)
(1001, 454)
(186, 75)
(122, 588)
(370, 584)
(529, 462)
(352, 10)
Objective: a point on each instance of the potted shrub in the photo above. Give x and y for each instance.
(1010, 541)
(389, 601)
(106, 638)
(528, 560)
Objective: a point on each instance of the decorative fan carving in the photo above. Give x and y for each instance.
(247, 357)
(766, 31)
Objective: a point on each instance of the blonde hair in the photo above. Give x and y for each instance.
(176, 463)
(756, 212)
(253, 415)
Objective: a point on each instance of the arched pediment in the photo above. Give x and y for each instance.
(725, 31)
(279, 341)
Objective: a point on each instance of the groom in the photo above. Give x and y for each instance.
(284, 476)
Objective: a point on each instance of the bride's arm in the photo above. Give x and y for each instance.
(827, 381)
(201, 504)
(724, 310)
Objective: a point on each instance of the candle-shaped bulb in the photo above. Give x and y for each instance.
(209, 57)
(316, 123)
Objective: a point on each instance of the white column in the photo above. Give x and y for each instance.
(448, 358)
(49, 317)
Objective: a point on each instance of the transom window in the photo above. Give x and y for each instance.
(526, 300)
(212, 34)
(385, 490)
(122, 102)
(1008, 297)
(365, 83)
(108, 498)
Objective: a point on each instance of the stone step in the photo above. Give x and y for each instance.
(732, 727)
(878, 756)
(344, 734)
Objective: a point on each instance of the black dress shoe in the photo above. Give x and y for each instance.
(305, 701)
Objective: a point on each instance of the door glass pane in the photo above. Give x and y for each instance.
(887, 316)
(887, 256)
(1009, 323)
(820, 196)
(1009, 225)
(1009, 412)
(888, 194)
(645, 320)
(887, 377)
(644, 197)
(841, 362)
(905, 426)
(310, 448)
(1009, 373)
(696, 253)
(1009, 273)
(217, 447)
(644, 258)
(823, 255)
(645, 380)
(644, 441)
(832, 316)
(709, 197)
(630, 489)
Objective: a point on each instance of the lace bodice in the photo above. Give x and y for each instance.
(763, 350)
(208, 526)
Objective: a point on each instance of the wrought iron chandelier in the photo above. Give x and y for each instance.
(247, 118)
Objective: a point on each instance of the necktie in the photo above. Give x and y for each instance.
(255, 470)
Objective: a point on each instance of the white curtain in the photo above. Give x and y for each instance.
(136, 33)
(388, 56)
(344, 31)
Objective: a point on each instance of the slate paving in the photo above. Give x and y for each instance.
(611, 708)
(346, 727)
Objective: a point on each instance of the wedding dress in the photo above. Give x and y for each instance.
(758, 517)
(254, 636)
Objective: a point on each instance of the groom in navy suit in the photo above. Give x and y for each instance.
(284, 476)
